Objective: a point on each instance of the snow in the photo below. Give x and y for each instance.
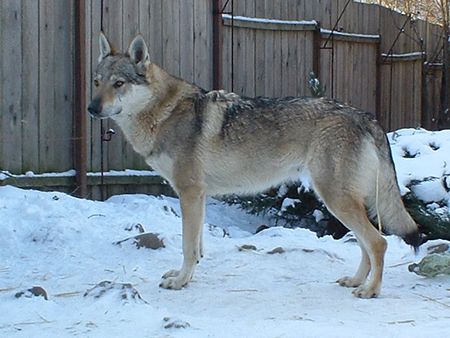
(271, 21)
(65, 245)
(404, 55)
(428, 157)
(350, 35)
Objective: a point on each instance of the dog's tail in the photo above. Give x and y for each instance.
(387, 204)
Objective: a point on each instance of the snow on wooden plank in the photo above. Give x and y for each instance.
(269, 24)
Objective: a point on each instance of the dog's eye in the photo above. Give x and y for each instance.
(118, 84)
(96, 83)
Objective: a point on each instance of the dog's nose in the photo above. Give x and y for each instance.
(93, 109)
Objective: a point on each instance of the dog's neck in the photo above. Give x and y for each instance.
(164, 92)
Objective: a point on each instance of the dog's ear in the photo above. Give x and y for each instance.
(138, 50)
(105, 47)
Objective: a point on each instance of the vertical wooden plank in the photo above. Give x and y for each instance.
(88, 75)
(2, 116)
(61, 145)
(369, 73)
(95, 14)
(11, 112)
(171, 37)
(322, 12)
(144, 21)
(305, 55)
(417, 96)
(389, 83)
(285, 57)
(397, 93)
(345, 82)
(46, 85)
(156, 31)
(112, 22)
(277, 53)
(325, 69)
(299, 9)
(303, 50)
(362, 71)
(130, 19)
(240, 8)
(238, 60)
(348, 83)
(203, 43)
(249, 41)
(293, 56)
(336, 70)
(239, 51)
(186, 28)
(131, 28)
(356, 91)
(310, 10)
(363, 77)
(364, 56)
(30, 89)
(260, 46)
(343, 71)
(360, 91)
(408, 112)
(395, 98)
(382, 108)
(113, 27)
(226, 59)
(373, 75)
(269, 52)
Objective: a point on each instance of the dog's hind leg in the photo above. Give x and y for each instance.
(350, 210)
(192, 200)
(355, 218)
(361, 274)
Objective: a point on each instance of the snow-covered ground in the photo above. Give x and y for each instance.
(65, 245)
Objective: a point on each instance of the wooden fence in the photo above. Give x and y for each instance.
(36, 95)
(277, 61)
(37, 39)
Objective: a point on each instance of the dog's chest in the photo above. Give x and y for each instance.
(162, 163)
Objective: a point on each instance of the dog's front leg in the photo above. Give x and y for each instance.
(192, 202)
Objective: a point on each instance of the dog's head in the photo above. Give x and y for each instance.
(121, 80)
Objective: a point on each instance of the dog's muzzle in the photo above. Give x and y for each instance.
(95, 108)
(94, 113)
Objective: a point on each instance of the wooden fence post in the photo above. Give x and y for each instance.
(217, 44)
(80, 113)
(378, 113)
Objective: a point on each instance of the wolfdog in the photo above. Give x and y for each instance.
(218, 143)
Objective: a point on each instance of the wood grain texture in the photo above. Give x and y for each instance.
(11, 137)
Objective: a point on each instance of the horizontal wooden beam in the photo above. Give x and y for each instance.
(69, 181)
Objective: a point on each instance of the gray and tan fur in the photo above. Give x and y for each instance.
(216, 143)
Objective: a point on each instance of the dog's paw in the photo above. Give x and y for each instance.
(171, 273)
(176, 279)
(349, 282)
(366, 292)
(172, 283)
